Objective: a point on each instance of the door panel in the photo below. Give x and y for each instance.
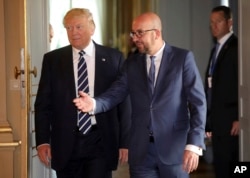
(37, 30)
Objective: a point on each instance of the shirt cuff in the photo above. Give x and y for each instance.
(42, 145)
(195, 149)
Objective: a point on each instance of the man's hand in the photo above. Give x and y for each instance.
(44, 154)
(123, 155)
(235, 128)
(190, 161)
(84, 102)
(208, 134)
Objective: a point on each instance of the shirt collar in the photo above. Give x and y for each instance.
(88, 50)
(158, 53)
(225, 38)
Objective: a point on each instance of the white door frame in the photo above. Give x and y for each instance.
(37, 15)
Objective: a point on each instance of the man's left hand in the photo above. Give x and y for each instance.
(235, 128)
(190, 161)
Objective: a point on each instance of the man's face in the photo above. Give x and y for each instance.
(79, 31)
(219, 25)
(143, 36)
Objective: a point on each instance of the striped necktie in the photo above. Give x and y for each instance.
(84, 120)
(151, 81)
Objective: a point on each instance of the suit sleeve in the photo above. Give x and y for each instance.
(197, 101)
(43, 105)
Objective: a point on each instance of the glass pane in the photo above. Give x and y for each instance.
(224, 2)
(57, 12)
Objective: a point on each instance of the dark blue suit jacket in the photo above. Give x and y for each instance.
(177, 107)
(224, 100)
(56, 114)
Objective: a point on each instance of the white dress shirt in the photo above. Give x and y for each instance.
(89, 57)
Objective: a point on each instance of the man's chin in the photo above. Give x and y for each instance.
(141, 49)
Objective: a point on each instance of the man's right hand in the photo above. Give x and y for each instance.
(44, 154)
(84, 102)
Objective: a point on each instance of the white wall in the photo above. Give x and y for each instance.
(186, 25)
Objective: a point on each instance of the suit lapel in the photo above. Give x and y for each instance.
(142, 70)
(224, 49)
(164, 67)
(68, 70)
(101, 68)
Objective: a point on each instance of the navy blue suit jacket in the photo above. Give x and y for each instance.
(177, 107)
(56, 114)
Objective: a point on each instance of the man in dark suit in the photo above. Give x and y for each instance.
(222, 92)
(58, 137)
(168, 108)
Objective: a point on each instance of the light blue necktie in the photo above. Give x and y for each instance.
(84, 120)
(151, 74)
(214, 59)
(211, 70)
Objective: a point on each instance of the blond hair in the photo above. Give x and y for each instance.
(76, 12)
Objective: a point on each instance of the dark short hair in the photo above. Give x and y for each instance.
(226, 10)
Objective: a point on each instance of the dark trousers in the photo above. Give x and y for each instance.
(225, 152)
(88, 159)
